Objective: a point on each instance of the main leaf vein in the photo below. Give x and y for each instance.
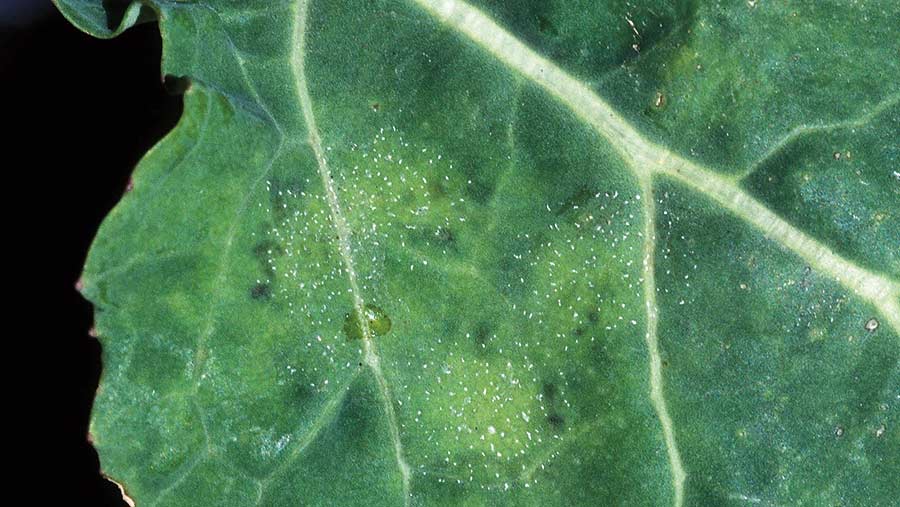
(343, 234)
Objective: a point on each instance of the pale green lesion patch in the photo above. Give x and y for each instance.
(511, 299)
(523, 313)
(405, 195)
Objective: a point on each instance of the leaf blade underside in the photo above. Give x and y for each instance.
(663, 302)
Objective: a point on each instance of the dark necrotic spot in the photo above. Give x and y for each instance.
(549, 391)
(283, 193)
(445, 235)
(482, 336)
(264, 252)
(265, 249)
(261, 291)
(578, 200)
(555, 420)
(302, 392)
(480, 191)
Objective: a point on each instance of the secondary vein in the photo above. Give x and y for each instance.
(372, 359)
(327, 415)
(646, 158)
(657, 396)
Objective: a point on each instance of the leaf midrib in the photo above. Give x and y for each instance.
(371, 357)
(647, 159)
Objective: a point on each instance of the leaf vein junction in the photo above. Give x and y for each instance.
(327, 415)
(805, 130)
(646, 160)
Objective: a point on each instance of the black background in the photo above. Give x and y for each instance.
(80, 113)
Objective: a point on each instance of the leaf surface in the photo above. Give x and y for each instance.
(431, 252)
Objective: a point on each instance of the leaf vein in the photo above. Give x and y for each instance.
(646, 158)
(372, 359)
(805, 130)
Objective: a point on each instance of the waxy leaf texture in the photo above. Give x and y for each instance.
(496, 252)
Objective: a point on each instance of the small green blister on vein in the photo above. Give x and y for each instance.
(378, 320)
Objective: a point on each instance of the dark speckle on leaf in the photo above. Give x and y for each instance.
(261, 291)
(445, 235)
(549, 391)
(568, 231)
(556, 420)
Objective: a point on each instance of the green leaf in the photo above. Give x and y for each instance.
(431, 252)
